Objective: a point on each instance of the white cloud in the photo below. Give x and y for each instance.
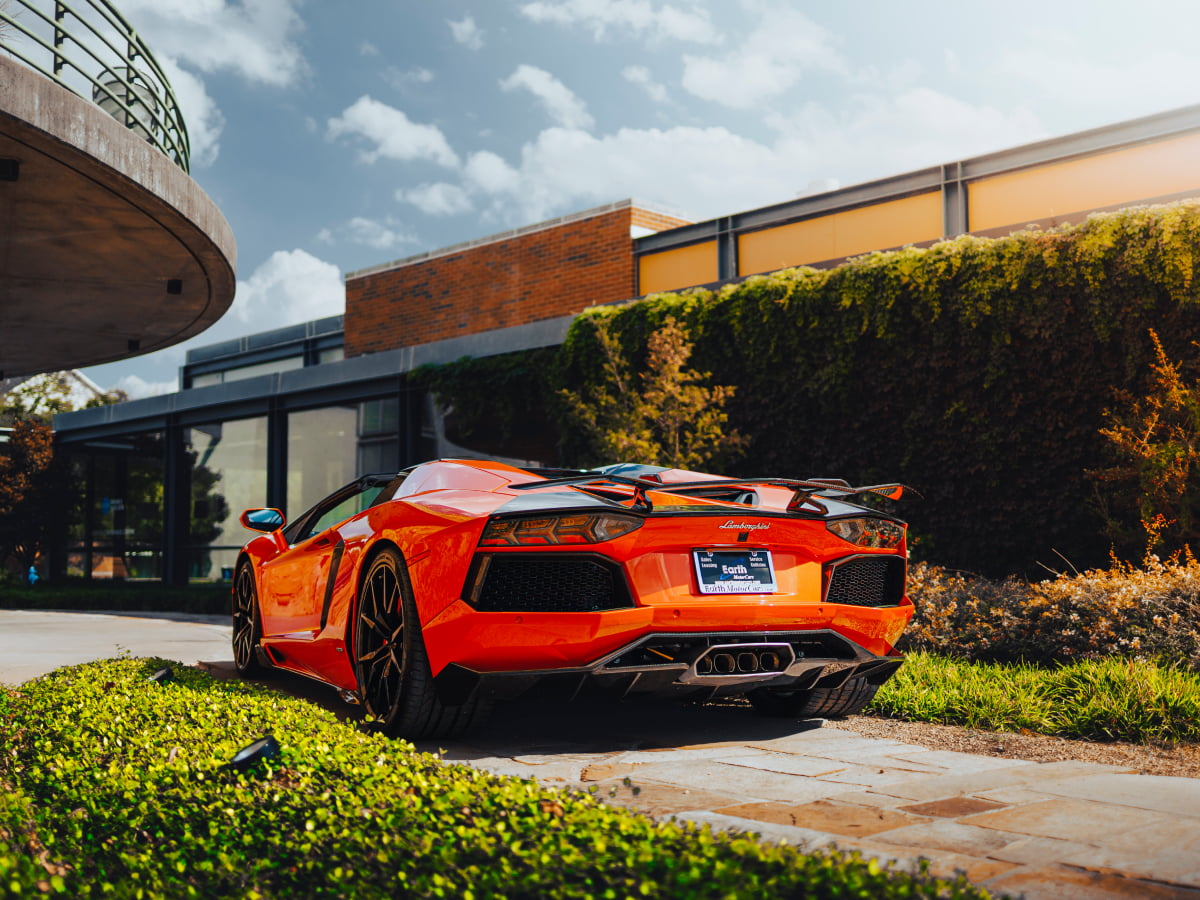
(1116, 87)
(254, 39)
(204, 120)
(366, 48)
(641, 76)
(440, 199)
(715, 171)
(563, 106)
(391, 133)
(642, 17)
(137, 387)
(920, 127)
(778, 52)
(491, 174)
(467, 33)
(402, 79)
(291, 287)
(385, 234)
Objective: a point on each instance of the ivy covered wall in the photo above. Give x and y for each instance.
(977, 371)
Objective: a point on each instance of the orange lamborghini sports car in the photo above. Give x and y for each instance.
(426, 595)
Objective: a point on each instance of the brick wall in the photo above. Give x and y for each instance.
(536, 273)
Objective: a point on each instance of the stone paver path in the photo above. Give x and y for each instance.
(1056, 831)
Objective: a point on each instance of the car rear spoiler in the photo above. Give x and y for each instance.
(804, 491)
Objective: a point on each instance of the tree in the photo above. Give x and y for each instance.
(38, 488)
(662, 416)
(39, 398)
(34, 490)
(1156, 442)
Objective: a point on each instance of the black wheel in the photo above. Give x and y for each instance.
(247, 628)
(394, 681)
(816, 703)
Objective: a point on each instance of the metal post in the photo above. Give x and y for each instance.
(60, 36)
(727, 249)
(177, 505)
(955, 218)
(89, 514)
(277, 456)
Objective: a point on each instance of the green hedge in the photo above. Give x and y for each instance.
(118, 596)
(976, 370)
(115, 786)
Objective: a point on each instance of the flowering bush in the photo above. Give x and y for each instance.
(1147, 612)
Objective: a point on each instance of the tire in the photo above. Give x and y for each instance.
(247, 626)
(817, 703)
(390, 663)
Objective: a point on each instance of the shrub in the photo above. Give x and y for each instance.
(1155, 439)
(1146, 612)
(129, 795)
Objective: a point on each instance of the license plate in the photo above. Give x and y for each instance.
(734, 571)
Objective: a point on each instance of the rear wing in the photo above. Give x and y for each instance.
(804, 492)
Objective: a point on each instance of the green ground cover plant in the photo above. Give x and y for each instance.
(112, 785)
(1103, 700)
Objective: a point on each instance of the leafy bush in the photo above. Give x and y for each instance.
(1155, 440)
(115, 786)
(1109, 699)
(1146, 612)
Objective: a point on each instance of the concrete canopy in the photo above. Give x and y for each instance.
(107, 248)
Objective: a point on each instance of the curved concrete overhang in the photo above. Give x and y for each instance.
(107, 248)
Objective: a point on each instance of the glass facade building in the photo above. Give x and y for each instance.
(164, 479)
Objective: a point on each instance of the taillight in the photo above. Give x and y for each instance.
(868, 531)
(576, 528)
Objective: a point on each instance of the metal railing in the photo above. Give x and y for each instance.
(88, 48)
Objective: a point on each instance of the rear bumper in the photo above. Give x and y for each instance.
(699, 664)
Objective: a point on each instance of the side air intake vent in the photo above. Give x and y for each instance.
(559, 582)
(867, 581)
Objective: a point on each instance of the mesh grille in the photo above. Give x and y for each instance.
(877, 581)
(550, 584)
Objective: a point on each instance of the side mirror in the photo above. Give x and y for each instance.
(262, 519)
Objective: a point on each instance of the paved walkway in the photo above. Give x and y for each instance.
(1046, 830)
(1056, 831)
(35, 642)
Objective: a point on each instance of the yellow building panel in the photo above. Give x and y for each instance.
(1061, 189)
(837, 235)
(679, 268)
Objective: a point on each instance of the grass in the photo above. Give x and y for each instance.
(1104, 700)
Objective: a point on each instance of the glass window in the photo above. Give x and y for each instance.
(119, 534)
(344, 506)
(228, 474)
(321, 454)
(286, 364)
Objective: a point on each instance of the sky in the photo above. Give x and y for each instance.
(340, 136)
